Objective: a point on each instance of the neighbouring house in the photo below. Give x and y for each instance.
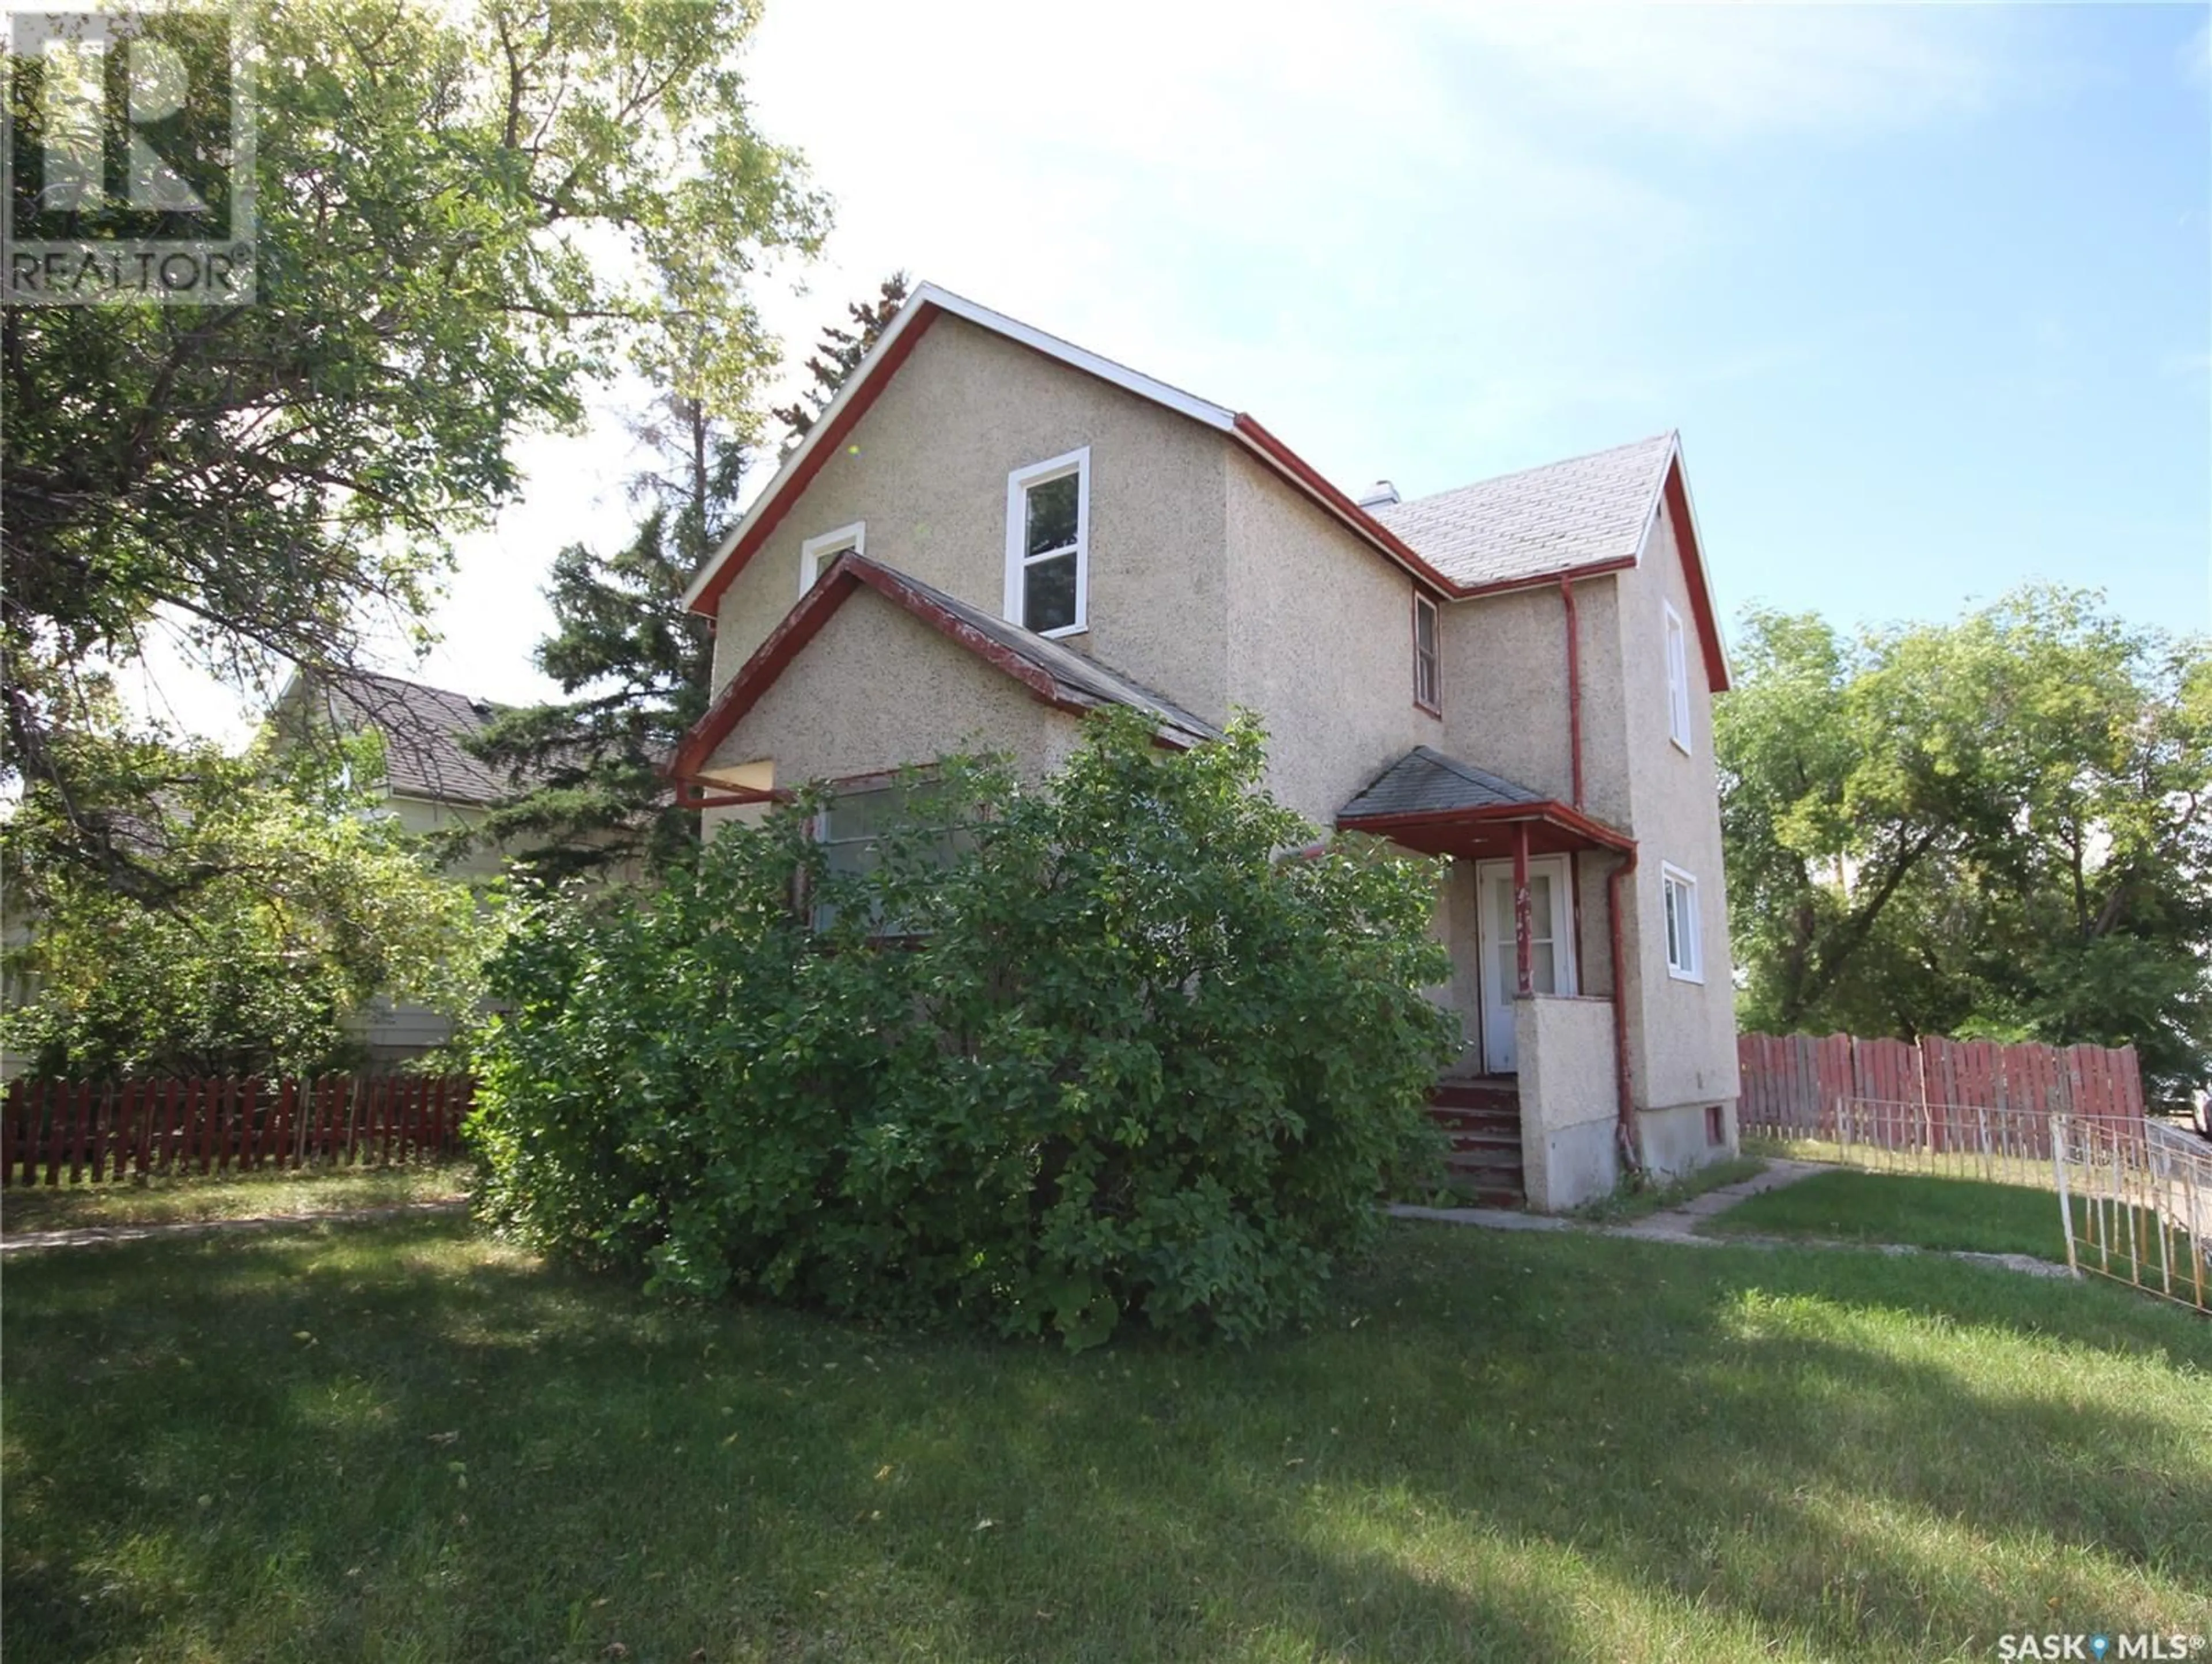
(990, 533)
(433, 784)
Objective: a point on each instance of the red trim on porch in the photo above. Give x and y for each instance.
(1579, 828)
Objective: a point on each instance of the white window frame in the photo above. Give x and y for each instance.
(1685, 943)
(1678, 679)
(1434, 704)
(1077, 462)
(817, 552)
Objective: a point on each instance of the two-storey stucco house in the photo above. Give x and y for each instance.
(990, 532)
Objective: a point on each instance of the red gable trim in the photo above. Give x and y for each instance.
(1693, 565)
(804, 622)
(1303, 475)
(827, 444)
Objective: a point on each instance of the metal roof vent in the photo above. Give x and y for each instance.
(1381, 494)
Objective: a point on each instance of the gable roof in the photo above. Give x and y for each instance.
(422, 728)
(1589, 495)
(1540, 522)
(1427, 782)
(1054, 675)
(924, 307)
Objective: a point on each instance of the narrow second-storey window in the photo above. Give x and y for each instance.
(1428, 682)
(1048, 544)
(1678, 680)
(816, 553)
(1685, 950)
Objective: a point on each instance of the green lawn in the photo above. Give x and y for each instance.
(1920, 1212)
(399, 1442)
(160, 1201)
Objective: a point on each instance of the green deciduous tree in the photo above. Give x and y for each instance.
(296, 904)
(1994, 827)
(1125, 1062)
(467, 214)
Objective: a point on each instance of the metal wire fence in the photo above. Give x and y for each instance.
(2135, 1196)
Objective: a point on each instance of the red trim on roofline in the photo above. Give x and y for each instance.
(831, 440)
(804, 622)
(1303, 472)
(1677, 497)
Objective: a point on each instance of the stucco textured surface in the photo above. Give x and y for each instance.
(1568, 1103)
(1682, 1034)
(925, 470)
(1673, 1140)
(1321, 643)
(878, 689)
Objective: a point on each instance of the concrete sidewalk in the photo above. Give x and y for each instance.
(1679, 1224)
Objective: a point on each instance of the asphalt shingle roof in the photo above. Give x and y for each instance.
(1538, 522)
(423, 729)
(1081, 679)
(1426, 782)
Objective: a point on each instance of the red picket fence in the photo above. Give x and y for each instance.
(73, 1132)
(1793, 1084)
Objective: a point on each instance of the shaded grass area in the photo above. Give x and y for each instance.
(1919, 1213)
(399, 1441)
(1628, 1203)
(160, 1200)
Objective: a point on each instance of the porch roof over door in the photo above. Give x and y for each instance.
(1442, 806)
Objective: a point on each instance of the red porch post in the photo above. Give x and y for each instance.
(1521, 906)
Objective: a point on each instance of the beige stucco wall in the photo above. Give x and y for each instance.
(1568, 1104)
(878, 689)
(1682, 1034)
(1320, 644)
(925, 468)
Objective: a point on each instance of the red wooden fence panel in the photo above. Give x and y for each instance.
(99, 1131)
(1936, 1089)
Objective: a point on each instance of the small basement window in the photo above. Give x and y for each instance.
(1685, 948)
(1716, 1126)
(1048, 544)
(1428, 680)
(816, 553)
(1678, 679)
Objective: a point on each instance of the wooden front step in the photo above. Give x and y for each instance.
(1481, 1118)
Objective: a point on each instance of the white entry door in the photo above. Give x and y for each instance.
(1551, 947)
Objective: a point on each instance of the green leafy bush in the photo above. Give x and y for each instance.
(1053, 1060)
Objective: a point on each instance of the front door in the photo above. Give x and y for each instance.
(1551, 947)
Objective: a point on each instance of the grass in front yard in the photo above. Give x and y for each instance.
(1628, 1203)
(399, 1441)
(195, 1197)
(1920, 1212)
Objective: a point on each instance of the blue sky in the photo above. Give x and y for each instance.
(1927, 289)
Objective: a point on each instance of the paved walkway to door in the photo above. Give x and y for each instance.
(1679, 1223)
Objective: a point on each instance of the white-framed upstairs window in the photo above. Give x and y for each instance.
(1685, 949)
(1048, 544)
(816, 553)
(1428, 674)
(1678, 678)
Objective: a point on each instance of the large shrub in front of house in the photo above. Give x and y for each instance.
(1092, 1053)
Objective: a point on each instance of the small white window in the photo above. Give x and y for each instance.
(1428, 683)
(1678, 679)
(816, 553)
(1685, 947)
(1048, 544)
